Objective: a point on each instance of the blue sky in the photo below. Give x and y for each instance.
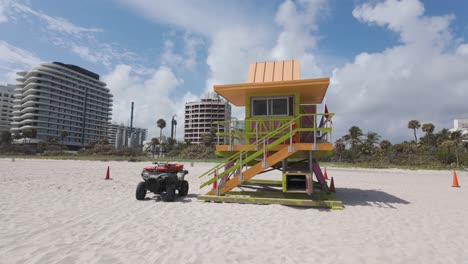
(389, 61)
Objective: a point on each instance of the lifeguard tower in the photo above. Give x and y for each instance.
(280, 131)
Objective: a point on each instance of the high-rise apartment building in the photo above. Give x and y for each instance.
(55, 97)
(200, 117)
(6, 106)
(119, 136)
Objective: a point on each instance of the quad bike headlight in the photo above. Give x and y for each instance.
(145, 174)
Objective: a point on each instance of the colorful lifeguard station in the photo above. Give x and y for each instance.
(280, 131)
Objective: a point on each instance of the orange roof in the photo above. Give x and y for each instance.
(312, 91)
(276, 77)
(273, 71)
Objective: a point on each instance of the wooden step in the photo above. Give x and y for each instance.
(254, 170)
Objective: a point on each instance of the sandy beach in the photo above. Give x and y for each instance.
(65, 212)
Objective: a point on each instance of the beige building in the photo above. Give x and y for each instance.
(200, 116)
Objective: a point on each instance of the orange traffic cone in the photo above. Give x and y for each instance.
(332, 185)
(455, 180)
(325, 175)
(215, 183)
(108, 173)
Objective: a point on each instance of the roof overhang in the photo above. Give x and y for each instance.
(312, 91)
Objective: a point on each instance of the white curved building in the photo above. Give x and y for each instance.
(6, 106)
(55, 97)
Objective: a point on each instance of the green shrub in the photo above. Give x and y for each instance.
(445, 157)
(197, 152)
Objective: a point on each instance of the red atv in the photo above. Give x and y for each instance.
(163, 179)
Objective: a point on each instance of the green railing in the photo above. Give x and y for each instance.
(241, 131)
(240, 159)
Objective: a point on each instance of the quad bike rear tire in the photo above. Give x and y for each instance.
(169, 195)
(184, 188)
(140, 191)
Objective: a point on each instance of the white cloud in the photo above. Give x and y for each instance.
(53, 23)
(204, 17)
(297, 40)
(14, 59)
(462, 49)
(231, 51)
(85, 53)
(169, 58)
(186, 60)
(233, 48)
(102, 53)
(239, 36)
(191, 46)
(422, 78)
(151, 95)
(12, 55)
(407, 19)
(3, 16)
(62, 33)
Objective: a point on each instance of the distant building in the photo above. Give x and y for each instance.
(200, 116)
(6, 106)
(119, 136)
(461, 124)
(55, 97)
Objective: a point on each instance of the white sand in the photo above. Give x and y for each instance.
(65, 212)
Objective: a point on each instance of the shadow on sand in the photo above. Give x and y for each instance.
(184, 199)
(360, 197)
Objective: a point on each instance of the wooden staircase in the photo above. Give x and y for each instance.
(233, 171)
(242, 176)
(246, 163)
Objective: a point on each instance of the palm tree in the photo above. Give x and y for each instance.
(429, 137)
(414, 124)
(354, 138)
(161, 123)
(170, 144)
(28, 133)
(340, 147)
(372, 138)
(448, 144)
(63, 135)
(385, 146)
(442, 136)
(6, 137)
(457, 139)
(428, 128)
(154, 142)
(368, 147)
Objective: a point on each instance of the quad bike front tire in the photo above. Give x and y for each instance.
(140, 191)
(184, 188)
(169, 195)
